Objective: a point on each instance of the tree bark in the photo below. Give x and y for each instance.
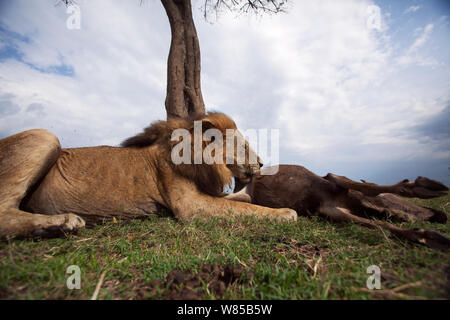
(184, 95)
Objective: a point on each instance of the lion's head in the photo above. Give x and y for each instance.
(206, 159)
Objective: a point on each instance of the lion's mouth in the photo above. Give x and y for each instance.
(240, 183)
(247, 175)
(244, 175)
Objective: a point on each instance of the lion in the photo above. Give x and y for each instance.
(46, 190)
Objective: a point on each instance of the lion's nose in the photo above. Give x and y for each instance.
(260, 163)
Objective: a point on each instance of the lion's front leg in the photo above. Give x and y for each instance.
(221, 207)
(15, 223)
(187, 202)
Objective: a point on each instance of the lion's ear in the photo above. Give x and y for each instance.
(205, 125)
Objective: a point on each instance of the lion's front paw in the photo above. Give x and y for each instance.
(53, 226)
(286, 214)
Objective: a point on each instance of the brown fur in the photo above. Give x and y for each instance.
(45, 189)
(340, 199)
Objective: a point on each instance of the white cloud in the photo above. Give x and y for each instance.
(332, 86)
(420, 41)
(411, 9)
(326, 81)
(412, 55)
(118, 76)
(324, 56)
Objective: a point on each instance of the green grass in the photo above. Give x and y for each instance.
(309, 259)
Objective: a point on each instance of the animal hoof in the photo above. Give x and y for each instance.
(438, 216)
(430, 184)
(431, 239)
(427, 188)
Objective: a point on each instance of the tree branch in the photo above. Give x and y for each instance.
(244, 6)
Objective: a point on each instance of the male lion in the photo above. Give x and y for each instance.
(46, 190)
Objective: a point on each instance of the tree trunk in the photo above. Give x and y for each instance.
(184, 95)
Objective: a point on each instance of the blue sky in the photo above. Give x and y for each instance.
(367, 103)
